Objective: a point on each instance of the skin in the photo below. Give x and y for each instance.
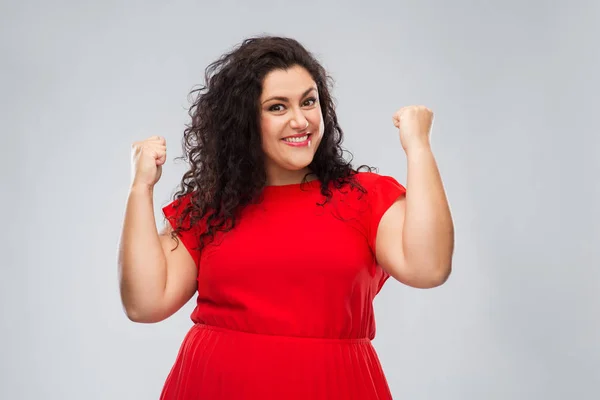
(415, 238)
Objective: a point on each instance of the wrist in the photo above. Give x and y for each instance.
(417, 150)
(141, 188)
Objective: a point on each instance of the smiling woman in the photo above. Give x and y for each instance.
(285, 243)
(292, 124)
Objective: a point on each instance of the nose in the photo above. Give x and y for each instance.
(298, 121)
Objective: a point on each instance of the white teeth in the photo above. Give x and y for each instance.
(296, 139)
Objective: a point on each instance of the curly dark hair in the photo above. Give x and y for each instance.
(222, 144)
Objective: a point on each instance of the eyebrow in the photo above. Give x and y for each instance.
(280, 98)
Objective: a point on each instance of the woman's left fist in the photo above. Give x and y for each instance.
(414, 123)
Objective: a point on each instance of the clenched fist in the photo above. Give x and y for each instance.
(414, 123)
(147, 158)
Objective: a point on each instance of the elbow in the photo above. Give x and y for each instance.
(428, 278)
(139, 310)
(428, 282)
(141, 315)
(439, 276)
(134, 315)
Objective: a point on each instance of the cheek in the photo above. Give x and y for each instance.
(317, 120)
(269, 128)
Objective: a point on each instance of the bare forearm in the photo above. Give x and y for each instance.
(142, 262)
(428, 232)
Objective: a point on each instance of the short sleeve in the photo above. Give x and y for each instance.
(384, 191)
(189, 237)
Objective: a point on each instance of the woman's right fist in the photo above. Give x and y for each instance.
(147, 158)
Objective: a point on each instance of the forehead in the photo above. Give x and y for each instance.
(289, 82)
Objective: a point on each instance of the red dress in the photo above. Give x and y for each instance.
(284, 307)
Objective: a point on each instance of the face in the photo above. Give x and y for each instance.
(291, 124)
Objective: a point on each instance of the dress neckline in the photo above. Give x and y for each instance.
(291, 187)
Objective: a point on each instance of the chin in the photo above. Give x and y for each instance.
(298, 164)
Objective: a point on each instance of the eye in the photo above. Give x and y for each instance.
(276, 107)
(310, 101)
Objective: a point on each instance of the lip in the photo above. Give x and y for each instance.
(304, 143)
(297, 135)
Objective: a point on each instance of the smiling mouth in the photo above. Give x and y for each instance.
(297, 139)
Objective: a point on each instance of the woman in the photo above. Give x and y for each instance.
(284, 241)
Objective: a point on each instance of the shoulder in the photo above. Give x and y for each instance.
(367, 178)
(372, 181)
(183, 212)
(178, 205)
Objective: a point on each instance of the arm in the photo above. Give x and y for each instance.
(415, 238)
(155, 281)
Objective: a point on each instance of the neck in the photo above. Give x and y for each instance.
(286, 177)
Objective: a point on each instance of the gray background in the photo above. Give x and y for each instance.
(515, 89)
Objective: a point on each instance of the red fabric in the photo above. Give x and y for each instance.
(284, 307)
